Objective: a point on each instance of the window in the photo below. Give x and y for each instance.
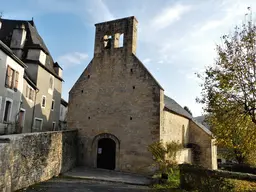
(29, 93)
(38, 123)
(53, 104)
(43, 101)
(7, 111)
(11, 78)
(53, 126)
(119, 40)
(51, 83)
(183, 135)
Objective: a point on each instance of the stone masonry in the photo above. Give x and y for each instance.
(31, 158)
(117, 98)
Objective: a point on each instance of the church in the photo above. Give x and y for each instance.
(119, 109)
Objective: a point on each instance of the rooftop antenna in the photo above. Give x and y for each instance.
(1, 14)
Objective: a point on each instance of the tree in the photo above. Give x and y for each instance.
(229, 91)
(231, 83)
(237, 135)
(188, 110)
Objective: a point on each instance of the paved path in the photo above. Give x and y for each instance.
(79, 185)
(106, 175)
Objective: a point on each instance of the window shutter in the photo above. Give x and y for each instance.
(10, 77)
(7, 76)
(16, 80)
(27, 91)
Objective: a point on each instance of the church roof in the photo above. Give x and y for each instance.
(33, 41)
(174, 107)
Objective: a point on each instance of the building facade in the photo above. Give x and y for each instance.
(63, 115)
(43, 77)
(11, 88)
(120, 109)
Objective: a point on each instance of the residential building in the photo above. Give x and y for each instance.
(63, 115)
(11, 89)
(120, 109)
(42, 92)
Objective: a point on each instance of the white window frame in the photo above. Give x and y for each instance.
(10, 114)
(23, 120)
(42, 121)
(42, 102)
(54, 127)
(52, 109)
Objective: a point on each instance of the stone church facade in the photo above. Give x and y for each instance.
(119, 108)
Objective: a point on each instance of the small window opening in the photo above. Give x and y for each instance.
(107, 41)
(53, 104)
(121, 40)
(130, 118)
(7, 111)
(43, 102)
(53, 126)
(88, 76)
(131, 71)
(89, 117)
(133, 87)
(82, 91)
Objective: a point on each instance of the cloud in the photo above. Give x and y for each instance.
(169, 15)
(72, 59)
(145, 61)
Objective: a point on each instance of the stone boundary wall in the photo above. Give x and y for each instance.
(26, 159)
(194, 177)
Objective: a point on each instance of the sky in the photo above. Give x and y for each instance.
(176, 38)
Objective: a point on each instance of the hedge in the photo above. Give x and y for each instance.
(194, 177)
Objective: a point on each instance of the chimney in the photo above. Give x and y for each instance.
(18, 39)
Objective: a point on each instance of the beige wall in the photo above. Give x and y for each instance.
(172, 129)
(208, 157)
(49, 116)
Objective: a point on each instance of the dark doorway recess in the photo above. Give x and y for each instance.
(106, 154)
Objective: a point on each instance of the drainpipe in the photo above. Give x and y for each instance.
(33, 116)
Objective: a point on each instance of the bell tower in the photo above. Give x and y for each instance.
(116, 34)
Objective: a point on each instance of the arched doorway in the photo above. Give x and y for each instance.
(106, 154)
(100, 142)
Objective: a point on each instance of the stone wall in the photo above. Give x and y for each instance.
(26, 159)
(208, 149)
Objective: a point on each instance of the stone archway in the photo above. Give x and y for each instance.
(103, 140)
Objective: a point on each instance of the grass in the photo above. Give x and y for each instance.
(172, 183)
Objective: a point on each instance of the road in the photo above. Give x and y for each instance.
(78, 185)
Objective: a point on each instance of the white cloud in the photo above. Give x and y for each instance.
(169, 15)
(145, 61)
(72, 59)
